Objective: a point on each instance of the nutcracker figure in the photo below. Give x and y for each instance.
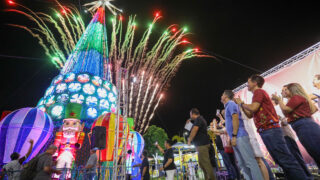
(70, 137)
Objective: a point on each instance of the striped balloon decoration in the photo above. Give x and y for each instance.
(136, 145)
(18, 127)
(108, 121)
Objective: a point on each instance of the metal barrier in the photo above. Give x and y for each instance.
(79, 173)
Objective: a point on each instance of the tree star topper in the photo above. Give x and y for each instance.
(100, 3)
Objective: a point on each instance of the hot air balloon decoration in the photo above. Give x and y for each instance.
(18, 127)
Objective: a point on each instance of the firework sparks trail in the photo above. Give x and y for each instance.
(148, 107)
(138, 99)
(152, 114)
(69, 32)
(145, 98)
(160, 60)
(130, 100)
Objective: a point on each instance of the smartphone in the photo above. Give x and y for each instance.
(218, 112)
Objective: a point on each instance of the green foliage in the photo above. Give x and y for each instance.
(152, 135)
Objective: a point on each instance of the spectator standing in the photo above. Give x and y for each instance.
(267, 123)
(299, 110)
(91, 164)
(239, 138)
(44, 164)
(14, 167)
(144, 166)
(168, 163)
(221, 144)
(201, 140)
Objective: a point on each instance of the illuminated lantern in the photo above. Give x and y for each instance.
(108, 121)
(17, 128)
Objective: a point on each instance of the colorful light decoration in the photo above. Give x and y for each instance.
(79, 88)
(18, 127)
(109, 121)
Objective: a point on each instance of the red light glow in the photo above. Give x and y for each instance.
(10, 2)
(157, 14)
(174, 29)
(196, 49)
(185, 41)
(121, 18)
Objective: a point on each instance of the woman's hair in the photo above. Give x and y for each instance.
(297, 89)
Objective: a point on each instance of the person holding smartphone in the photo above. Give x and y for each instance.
(168, 163)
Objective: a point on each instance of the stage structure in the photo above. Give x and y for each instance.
(301, 69)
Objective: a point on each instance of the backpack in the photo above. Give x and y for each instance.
(29, 170)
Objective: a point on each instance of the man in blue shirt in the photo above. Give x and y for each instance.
(239, 138)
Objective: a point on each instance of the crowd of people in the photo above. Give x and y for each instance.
(273, 119)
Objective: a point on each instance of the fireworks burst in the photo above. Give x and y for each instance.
(56, 34)
(150, 66)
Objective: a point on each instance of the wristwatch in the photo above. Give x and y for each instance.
(234, 135)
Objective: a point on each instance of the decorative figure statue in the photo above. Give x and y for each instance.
(70, 137)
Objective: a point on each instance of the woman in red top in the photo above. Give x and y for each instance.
(299, 110)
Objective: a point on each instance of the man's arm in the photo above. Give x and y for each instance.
(30, 149)
(170, 160)
(193, 133)
(252, 108)
(247, 113)
(144, 171)
(137, 165)
(248, 109)
(235, 125)
(160, 148)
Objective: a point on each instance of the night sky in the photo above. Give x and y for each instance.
(259, 34)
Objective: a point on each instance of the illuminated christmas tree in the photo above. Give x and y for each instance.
(83, 78)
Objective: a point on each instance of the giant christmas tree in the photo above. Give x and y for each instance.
(83, 78)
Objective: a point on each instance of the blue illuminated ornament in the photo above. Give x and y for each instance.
(96, 80)
(77, 98)
(74, 87)
(49, 91)
(89, 89)
(91, 101)
(63, 98)
(111, 97)
(57, 110)
(107, 85)
(61, 87)
(92, 112)
(58, 79)
(69, 77)
(102, 93)
(104, 104)
(50, 100)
